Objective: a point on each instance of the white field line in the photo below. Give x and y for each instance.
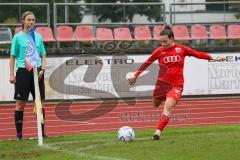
(80, 152)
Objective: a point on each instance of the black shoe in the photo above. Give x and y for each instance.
(19, 137)
(156, 135)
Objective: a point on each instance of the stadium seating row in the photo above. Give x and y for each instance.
(181, 32)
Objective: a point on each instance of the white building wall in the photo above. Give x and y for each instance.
(180, 18)
(195, 17)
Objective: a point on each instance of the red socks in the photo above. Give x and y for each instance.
(163, 121)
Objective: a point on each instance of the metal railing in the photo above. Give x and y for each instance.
(124, 5)
(174, 12)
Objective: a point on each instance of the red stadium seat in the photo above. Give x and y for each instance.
(142, 33)
(233, 31)
(199, 32)
(65, 34)
(105, 38)
(181, 32)
(84, 33)
(122, 34)
(156, 31)
(17, 30)
(217, 32)
(46, 33)
(104, 34)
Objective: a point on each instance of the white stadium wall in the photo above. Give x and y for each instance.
(67, 77)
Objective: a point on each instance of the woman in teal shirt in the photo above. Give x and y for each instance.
(24, 82)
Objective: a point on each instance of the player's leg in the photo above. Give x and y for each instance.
(172, 98)
(164, 119)
(159, 94)
(21, 94)
(168, 106)
(20, 104)
(157, 102)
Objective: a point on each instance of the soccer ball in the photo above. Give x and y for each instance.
(126, 134)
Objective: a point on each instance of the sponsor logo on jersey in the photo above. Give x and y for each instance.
(172, 59)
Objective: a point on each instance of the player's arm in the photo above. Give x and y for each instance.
(147, 63)
(43, 59)
(201, 55)
(13, 54)
(11, 65)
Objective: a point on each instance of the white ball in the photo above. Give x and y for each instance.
(126, 134)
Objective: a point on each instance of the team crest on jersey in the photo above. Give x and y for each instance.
(177, 91)
(178, 50)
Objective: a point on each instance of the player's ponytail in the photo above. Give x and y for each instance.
(167, 31)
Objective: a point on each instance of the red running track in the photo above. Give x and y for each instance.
(189, 112)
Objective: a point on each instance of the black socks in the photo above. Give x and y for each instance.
(19, 122)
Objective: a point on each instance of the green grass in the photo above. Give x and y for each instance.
(195, 143)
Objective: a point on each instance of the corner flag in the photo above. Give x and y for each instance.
(32, 59)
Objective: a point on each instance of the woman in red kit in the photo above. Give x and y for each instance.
(169, 86)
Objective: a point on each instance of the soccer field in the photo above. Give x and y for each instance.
(195, 143)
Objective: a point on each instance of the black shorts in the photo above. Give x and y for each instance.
(25, 85)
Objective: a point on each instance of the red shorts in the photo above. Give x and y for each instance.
(164, 90)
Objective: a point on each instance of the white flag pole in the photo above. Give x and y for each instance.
(38, 105)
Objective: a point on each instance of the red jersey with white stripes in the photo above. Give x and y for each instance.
(172, 60)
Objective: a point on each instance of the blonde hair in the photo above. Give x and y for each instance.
(24, 15)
